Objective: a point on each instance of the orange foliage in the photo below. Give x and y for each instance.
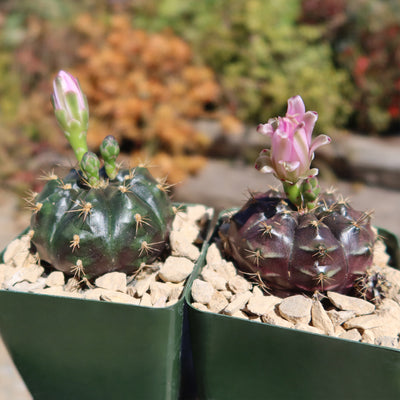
(144, 87)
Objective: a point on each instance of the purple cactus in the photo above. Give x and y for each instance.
(299, 240)
(328, 248)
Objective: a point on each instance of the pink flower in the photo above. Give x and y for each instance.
(292, 147)
(70, 104)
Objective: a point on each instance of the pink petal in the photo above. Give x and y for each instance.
(281, 147)
(319, 141)
(265, 129)
(290, 166)
(296, 107)
(309, 119)
(68, 83)
(301, 149)
(288, 125)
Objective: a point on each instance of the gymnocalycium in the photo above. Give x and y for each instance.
(97, 219)
(301, 240)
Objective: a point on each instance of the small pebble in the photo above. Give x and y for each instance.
(368, 337)
(146, 300)
(160, 302)
(238, 302)
(352, 334)
(159, 290)
(218, 302)
(271, 317)
(202, 292)
(56, 278)
(226, 269)
(364, 322)
(11, 250)
(213, 256)
(349, 303)
(338, 317)
(260, 305)
(182, 246)
(115, 281)
(308, 328)
(118, 297)
(238, 284)
(387, 341)
(296, 309)
(176, 269)
(213, 277)
(142, 286)
(320, 319)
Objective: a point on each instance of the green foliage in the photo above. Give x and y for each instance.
(261, 54)
(49, 9)
(366, 39)
(10, 93)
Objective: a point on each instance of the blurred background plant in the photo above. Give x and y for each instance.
(365, 37)
(261, 54)
(153, 68)
(142, 87)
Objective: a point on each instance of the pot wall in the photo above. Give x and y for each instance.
(83, 349)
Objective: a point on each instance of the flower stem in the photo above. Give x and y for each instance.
(303, 194)
(293, 193)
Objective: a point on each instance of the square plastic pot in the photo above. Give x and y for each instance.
(69, 348)
(240, 359)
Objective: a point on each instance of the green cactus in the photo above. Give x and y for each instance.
(97, 220)
(326, 248)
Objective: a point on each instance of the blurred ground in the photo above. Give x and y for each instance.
(225, 184)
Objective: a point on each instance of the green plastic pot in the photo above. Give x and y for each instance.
(68, 348)
(240, 359)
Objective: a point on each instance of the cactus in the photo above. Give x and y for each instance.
(97, 219)
(300, 240)
(327, 248)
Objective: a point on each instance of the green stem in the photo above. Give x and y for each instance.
(293, 193)
(303, 194)
(78, 143)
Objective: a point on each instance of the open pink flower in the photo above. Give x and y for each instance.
(292, 147)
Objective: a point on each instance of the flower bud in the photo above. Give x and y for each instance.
(71, 110)
(70, 104)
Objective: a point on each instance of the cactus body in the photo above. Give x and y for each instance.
(115, 226)
(327, 248)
